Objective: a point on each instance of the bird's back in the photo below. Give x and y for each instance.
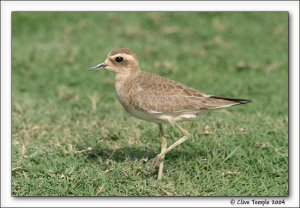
(155, 94)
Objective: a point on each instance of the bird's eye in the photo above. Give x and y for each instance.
(119, 59)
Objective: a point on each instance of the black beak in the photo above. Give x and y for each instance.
(99, 66)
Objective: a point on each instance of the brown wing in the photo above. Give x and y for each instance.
(158, 94)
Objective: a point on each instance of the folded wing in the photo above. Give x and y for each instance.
(160, 95)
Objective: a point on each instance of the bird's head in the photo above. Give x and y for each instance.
(120, 61)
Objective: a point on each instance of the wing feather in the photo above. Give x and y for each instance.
(157, 94)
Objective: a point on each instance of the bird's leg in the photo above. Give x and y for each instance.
(163, 148)
(161, 155)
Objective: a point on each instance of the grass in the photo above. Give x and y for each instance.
(71, 137)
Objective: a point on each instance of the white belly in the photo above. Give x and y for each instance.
(162, 117)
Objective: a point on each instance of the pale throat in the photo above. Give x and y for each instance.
(122, 78)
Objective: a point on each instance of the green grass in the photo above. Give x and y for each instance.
(63, 146)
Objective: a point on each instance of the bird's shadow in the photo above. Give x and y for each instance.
(140, 152)
(120, 154)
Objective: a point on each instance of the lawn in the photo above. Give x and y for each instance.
(71, 137)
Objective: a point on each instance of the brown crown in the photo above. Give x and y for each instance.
(123, 50)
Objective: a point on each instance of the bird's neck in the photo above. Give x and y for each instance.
(123, 78)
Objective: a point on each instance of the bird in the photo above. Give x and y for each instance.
(157, 99)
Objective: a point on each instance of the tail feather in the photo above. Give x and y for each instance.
(237, 101)
(221, 102)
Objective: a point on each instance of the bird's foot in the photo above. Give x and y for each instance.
(154, 163)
